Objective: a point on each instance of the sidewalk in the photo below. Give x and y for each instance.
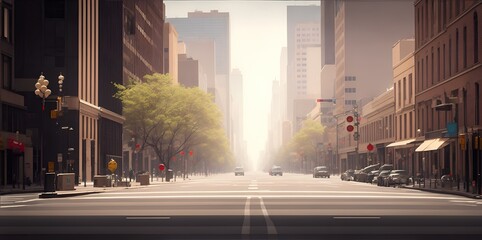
(449, 189)
(78, 191)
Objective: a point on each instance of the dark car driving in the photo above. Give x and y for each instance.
(321, 171)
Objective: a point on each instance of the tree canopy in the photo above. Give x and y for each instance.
(169, 119)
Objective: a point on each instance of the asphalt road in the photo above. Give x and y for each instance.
(254, 206)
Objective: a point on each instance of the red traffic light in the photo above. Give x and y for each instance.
(182, 153)
(349, 119)
(191, 153)
(370, 147)
(162, 167)
(350, 128)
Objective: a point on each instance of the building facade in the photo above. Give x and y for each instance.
(402, 150)
(93, 44)
(447, 89)
(300, 22)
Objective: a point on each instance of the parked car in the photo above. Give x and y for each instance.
(276, 171)
(347, 175)
(397, 177)
(382, 177)
(321, 171)
(239, 171)
(374, 174)
(361, 176)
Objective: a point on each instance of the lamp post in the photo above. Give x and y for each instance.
(42, 90)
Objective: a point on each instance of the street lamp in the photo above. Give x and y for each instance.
(42, 90)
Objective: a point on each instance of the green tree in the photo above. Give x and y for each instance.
(168, 118)
(303, 144)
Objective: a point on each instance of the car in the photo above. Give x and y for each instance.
(276, 171)
(362, 175)
(239, 171)
(347, 175)
(374, 174)
(397, 177)
(321, 171)
(382, 176)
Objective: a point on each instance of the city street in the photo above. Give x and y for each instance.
(256, 204)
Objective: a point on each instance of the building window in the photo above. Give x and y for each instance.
(6, 72)
(450, 57)
(432, 73)
(477, 104)
(410, 125)
(476, 38)
(410, 85)
(7, 23)
(399, 93)
(443, 62)
(438, 64)
(422, 76)
(444, 13)
(464, 50)
(457, 50)
(404, 90)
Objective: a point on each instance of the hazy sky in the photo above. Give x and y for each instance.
(258, 32)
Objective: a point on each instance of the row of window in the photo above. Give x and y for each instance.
(437, 66)
(402, 90)
(350, 78)
(405, 125)
(350, 90)
(350, 102)
(377, 130)
(429, 119)
(436, 13)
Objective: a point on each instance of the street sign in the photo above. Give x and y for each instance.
(350, 128)
(51, 166)
(112, 165)
(59, 157)
(370, 147)
(162, 167)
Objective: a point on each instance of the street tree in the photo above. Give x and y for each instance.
(165, 117)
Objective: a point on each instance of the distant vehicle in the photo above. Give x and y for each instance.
(382, 177)
(348, 175)
(397, 177)
(321, 171)
(276, 170)
(239, 171)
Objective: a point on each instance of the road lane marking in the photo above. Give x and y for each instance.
(269, 223)
(356, 218)
(246, 222)
(148, 218)
(12, 206)
(29, 200)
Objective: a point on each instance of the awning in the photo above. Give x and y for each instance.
(432, 144)
(439, 143)
(401, 143)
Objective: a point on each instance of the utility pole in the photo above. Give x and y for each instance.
(356, 135)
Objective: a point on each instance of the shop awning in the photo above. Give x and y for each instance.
(401, 143)
(432, 144)
(439, 143)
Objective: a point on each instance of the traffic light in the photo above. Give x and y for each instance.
(350, 127)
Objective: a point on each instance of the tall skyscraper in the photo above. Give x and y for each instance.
(303, 31)
(214, 26)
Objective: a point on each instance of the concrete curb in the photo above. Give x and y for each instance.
(22, 191)
(463, 194)
(63, 195)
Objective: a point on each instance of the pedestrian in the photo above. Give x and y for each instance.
(131, 175)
